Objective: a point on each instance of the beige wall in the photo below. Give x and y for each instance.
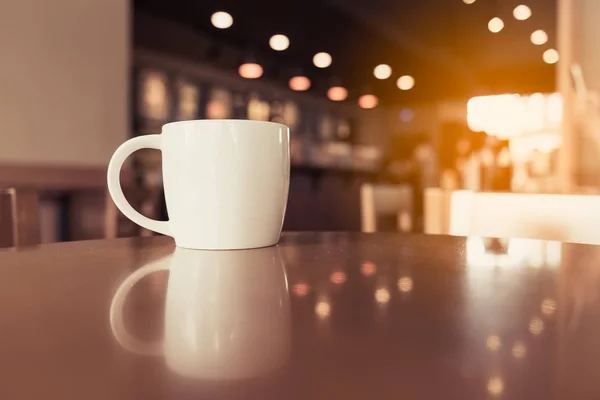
(63, 80)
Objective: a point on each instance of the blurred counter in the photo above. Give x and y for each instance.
(560, 217)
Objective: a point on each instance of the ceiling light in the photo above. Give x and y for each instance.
(468, 1)
(550, 56)
(405, 82)
(250, 70)
(322, 60)
(337, 93)
(221, 20)
(368, 101)
(299, 83)
(382, 71)
(522, 12)
(539, 37)
(495, 25)
(279, 42)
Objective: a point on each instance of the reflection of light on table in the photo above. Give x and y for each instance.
(520, 252)
(382, 296)
(300, 289)
(536, 326)
(322, 309)
(518, 350)
(548, 307)
(495, 386)
(405, 284)
(493, 343)
(405, 221)
(338, 277)
(368, 268)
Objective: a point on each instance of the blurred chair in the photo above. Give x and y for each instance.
(19, 217)
(378, 200)
(436, 211)
(565, 218)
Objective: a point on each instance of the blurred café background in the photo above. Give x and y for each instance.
(406, 115)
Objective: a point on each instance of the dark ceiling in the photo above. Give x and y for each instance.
(444, 44)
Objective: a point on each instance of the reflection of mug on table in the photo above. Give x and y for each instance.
(227, 313)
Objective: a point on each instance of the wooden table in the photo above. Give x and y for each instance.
(321, 316)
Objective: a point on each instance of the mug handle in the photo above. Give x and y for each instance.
(114, 182)
(125, 339)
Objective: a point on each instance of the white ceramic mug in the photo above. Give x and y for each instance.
(226, 182)
(227, 313)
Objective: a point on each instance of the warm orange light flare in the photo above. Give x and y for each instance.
(368, 101)
(510, 115)
(495, 25)
(250, 71)
(299, 83)
(337, 93)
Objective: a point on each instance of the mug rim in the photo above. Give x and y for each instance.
(250, 121)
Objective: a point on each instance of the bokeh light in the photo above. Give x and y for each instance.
(519, 350)
(300, 289)
(337, 277)
(250, 71)
(322, 60)
(337, 93)
(495, 386)
(536, 326)
(550, 56)
(539, 37)
(522, 12)
(405, 82)
(495, 25)
(368, 101)
(493, 343)
(405, 284)
(382, 296)
(322, 309)
(407, 114)
(548, 307)
(382, 71)
(468, 1)
(221, 20)
(368, 268)
(299, 83)
(279, 42)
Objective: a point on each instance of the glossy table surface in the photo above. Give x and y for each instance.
(320, 316)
